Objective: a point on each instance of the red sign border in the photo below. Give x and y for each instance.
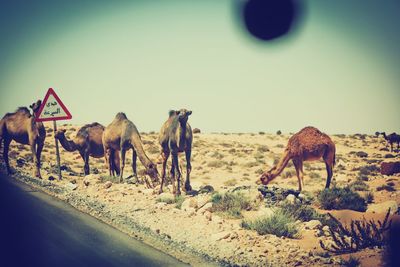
(51, 92)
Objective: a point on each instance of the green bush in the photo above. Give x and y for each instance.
(178, 200)
(279, 224)
(386, 187)
(359, 185)
(369, 197)
(341, 198)
(231, 204)
(299, 211)
(351, 262)
(306, 213)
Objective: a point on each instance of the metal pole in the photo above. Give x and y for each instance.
(57, 151)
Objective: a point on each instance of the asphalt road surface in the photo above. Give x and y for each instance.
(39, 230)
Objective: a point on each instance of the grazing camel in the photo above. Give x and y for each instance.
(88, 141)
(392, 138)
(21, 127)
(122, 135)
(307, 145)
(175, 137)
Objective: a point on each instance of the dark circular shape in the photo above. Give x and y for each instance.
(269, 19)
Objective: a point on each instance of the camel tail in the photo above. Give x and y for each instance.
(2, 129)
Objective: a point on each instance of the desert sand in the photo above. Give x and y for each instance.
(225, 161)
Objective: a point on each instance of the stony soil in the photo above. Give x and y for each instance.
(225, 161)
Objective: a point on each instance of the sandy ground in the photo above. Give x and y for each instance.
(226, 161)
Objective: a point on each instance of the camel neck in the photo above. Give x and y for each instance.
(182, 133)
(282, 163)
(138, 146)
(68, 145)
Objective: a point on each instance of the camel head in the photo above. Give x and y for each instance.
(60, 134)
(35, 106)
(183, 115)
(267, 177)
(151, 171)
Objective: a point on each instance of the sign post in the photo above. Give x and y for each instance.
(53, 109)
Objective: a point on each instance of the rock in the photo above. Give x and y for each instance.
(234, 235)
(160, 205)
(217, 219)
(206, 207)
(312, 225)
(383, 207)
(166, 197)
(72, 186)
(206, 189)
(389, 156)
(21, 162)
(220, 236)
(189, 203)
(86, 182)
(291, 199)
(196, 131)
(390, 168)
(202, 200)
(148, 191)
(107, 184)
(190, 211)
(208, 215)
(51, 178)
(361, 154)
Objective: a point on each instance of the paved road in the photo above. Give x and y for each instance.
(39, 230)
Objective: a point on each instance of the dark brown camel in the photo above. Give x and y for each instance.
(307, 145)
(88, 141)
(392, 138)
(21, 127)
(122, 135)
(175, 137)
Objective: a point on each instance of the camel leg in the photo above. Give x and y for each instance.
(123, 152)
(391, 147)
(38, 154)
(329, 170)
(107, 153)
(173, 172)
(35, 161)
(86, 159)
(165, 156)
(5, 155)
(298, 164)
(175, 163)
(134, 158)
(116, 162)
(188, 187)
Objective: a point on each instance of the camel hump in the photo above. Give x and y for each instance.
(93, 124)
(172, 113)
(20, 110)
(121, 116)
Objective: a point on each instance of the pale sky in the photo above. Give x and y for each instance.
(339, 69)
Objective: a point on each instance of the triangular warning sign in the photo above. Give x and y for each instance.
(52, 108)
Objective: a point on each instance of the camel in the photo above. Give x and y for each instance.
(176, 137)
(21, 127)
(88, 141)
(121, 135)
(392, 138)
(307, 145)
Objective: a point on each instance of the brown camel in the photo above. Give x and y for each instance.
(21, 127)
(122, 135)
(307, 145)
(392, 138)
(88, 141)
(175, 137)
